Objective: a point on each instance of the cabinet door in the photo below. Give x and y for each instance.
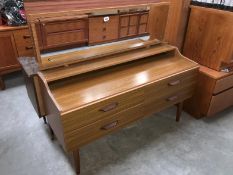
(8, 53)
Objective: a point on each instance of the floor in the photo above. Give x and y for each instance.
(154, 146)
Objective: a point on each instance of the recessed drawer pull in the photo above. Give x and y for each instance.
(174, 83)
(110, 126)
(28, 47)
(173, 98)
(26, 36)
(109, 107)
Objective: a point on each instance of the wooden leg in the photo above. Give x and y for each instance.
(75, 160)
(2, 84)
(179, 111)
(45, 121)
(51, 132)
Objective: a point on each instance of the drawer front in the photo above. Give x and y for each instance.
(65, 38)
(103, 29)
(155, 105)
(220, 102)
(223, 84)
(23, 42)
(63, 26)
(171, 85)
(95, 130)
(101, 110)
(64, 33)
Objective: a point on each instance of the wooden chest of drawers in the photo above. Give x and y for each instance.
(213, 94)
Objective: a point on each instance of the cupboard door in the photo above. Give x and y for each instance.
(8, 53)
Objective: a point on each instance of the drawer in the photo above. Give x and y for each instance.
(66, 38)
(103, 31)
(158, 104)
(100, 128)
(106, 108)
(172, 85)
(223, 84)
(23, 42)
(220, 102)
(63, 26)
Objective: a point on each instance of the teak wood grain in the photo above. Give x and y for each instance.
(209, 37)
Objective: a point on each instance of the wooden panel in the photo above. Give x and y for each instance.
(48, 8)
(223, 84)
(207, 43)
(177, 22)
(23, 42)
(199, 104)
(103, 109)
(157, 21)
(95, 130)
(144, 18)
(221, 102)
(8, 54)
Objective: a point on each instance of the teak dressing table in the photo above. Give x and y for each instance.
(93, 91)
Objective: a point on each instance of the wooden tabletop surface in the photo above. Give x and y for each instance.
(82, 90)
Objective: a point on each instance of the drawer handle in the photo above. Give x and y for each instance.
(29, 47)
(109, 107)
(173, 98)
(174, 83)
(104, 37)
(104, 29)
(26, 36)
(110, 126)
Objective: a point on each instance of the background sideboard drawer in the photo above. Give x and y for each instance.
(223, 84)
(103, 109)
(23, 42)
(95, 130)
(220, 102)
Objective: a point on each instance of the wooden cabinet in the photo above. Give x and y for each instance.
(103, 29)
(14, 42)
(209, 42)
(214, 93)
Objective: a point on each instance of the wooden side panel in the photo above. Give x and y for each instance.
(223, 84)
(177, 22)
(199, 104)
(8, 53)
(209, 37)
(158, 20)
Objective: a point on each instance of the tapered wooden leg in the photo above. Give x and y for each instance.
(179, 111)
(2, 84)
(45, 121)
(52, 136)
(75, 160)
